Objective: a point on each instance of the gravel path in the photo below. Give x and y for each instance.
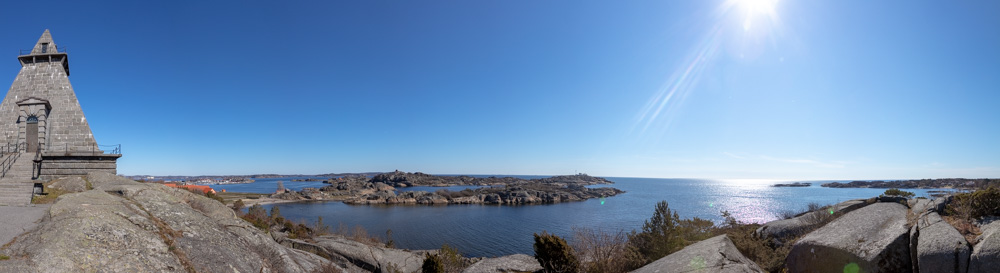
(15, 220)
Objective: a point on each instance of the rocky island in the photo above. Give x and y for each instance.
(951, 183)
(796, 184)
(382, 189)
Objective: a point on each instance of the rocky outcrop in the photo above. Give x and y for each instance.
(872, 239)
(69, 184)
(515, 195)
(781, 231)
(126, 226)
(405, 179)
(986, 253)
(938, 246)
(371, 258)
(717, 254)
(511, 263)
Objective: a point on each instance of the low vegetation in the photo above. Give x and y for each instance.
(897, 193)
(259, 218)
(50, 195)
(965, 208)
(554, 254)
(664, 233)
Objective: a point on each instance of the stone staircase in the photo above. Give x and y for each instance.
(16, 185)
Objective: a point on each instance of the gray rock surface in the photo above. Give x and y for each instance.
(98, 179)
(716, 254)
(510, 263)
(370, 257)
(126, 226)
(782, 230)
(872, 239)
(920, 205)
(69, 184)
(986, 253)
(939, 247)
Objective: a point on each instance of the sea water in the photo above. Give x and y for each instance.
(495, 230)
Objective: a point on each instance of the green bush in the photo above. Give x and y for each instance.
(666, 233)
(977, 204)
(897, 192)
(432, 264)
(554, 254)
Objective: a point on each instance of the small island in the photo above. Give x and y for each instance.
(944, 183)
(382, 189)
(796, 184)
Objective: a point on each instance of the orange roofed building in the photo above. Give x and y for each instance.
(203, 189)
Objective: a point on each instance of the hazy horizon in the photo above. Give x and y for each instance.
(738, 89)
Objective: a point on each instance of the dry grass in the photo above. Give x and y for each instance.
(50, 195)
(968, 230)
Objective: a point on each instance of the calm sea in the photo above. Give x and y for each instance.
(490, 230)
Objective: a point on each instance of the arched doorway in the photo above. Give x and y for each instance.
(31, 134)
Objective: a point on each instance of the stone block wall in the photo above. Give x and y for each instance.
(55, 166)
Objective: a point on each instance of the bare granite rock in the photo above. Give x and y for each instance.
(785, 229)
(939, 247)
(986, 253)
(510, 263)
(126, 226)
(870, 239)
(716, 254)
(69, 184)
(372, 258)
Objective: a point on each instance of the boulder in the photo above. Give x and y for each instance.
(126, 226)
(940, 204)
(871, 239)
(986, 253)
(372, 258)
(98, 179)
(782, 230)
(69, 184)
(920, 205)
(938, 246)
(716, 254)
(511, 263)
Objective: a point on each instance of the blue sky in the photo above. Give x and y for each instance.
(753, 89)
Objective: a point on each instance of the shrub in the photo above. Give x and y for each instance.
(452, 260)
(666, 233)
(554, 254)
(897, 192)
(432, 264)
(604, 252)
(238, 206)
(762, 251)
(977, 204)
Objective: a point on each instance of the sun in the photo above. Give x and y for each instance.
(754, 11)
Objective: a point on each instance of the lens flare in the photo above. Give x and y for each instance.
(852, 268)
(757, 19)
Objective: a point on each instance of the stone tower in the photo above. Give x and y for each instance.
(43, 129)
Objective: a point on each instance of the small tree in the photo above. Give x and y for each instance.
(554, 254)
(238, 206)
(432, 264)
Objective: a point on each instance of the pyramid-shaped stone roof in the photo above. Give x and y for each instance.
(44, 76)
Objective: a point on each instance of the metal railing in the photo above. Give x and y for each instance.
(115, 149)
(10, 154)
(59, 49)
